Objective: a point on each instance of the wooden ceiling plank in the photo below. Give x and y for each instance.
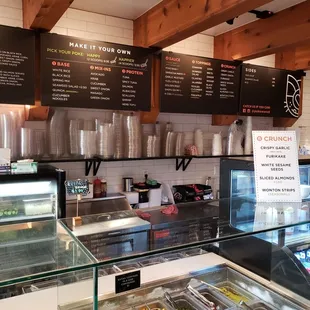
(43, 14)
(171, 21)
(285, 30)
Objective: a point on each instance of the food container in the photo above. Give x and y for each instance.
(154, 305)
(171, 257)
(220, 302)
(261, 306)
(40, 286)
(86, 275)
(194, 252)
(184, 301)
(234, 292)
(109, 270)
(128, 266)
(151, 261)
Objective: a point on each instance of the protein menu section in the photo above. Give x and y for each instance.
(191, 84)
(269, 92)
(17, 58)
(93, 74)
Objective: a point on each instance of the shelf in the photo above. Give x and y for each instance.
(49, 216)
(24, 261)
(95, 162)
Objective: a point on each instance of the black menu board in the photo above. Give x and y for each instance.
(93, 74)
(191, 84)
(17, 56)
(269, 92)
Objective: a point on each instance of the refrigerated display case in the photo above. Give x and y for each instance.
(241, 213)
(40, 258)
(53, 270)
(32, 196)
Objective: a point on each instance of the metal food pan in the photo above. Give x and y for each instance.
(154, 305)
(173, 256)
(222, 274)
(194, 252)
(185, 301)
(86, 275)
(235, 291)
(128, 266)
(261, 306)
(151, 261)
(34, 287)
(109, 270)
(220, 302)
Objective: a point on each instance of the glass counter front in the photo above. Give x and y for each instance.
(53, 269)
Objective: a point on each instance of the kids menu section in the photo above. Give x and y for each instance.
(191, 84)
(17, 61)
(92, 74)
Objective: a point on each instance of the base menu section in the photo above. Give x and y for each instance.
(92, 74)
(191, 84)
(269, 92)
(17, 62)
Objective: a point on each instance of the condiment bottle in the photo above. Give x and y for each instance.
(104, 187)
(97, 188)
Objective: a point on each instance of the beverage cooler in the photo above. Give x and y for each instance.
(28, 197)
(282, 255)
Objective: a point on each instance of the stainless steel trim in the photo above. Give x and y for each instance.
(109, 197)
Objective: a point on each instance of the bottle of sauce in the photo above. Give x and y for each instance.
(104, 187)
(97, 188)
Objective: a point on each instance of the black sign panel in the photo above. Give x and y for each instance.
(269, 92)
(17, 54)
(191, 84)
(127, 282)
(92, 74)
(77, 187)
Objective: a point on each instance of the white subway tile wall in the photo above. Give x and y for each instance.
(106, 28)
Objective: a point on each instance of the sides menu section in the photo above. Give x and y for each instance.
(17, 56)
(269, 92)
(92, 74)
(192, 84)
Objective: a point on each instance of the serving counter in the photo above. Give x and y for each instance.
(44, 268)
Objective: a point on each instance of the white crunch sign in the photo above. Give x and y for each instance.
(276, 166)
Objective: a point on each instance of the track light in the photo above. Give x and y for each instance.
(230, 21)
(262, 14)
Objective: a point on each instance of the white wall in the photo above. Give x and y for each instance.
(106, 28)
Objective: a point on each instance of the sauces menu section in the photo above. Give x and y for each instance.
(17, 52)
(192, 84)
(92, 74)
(269, 92)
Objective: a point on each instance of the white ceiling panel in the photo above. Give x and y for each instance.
(129, 9)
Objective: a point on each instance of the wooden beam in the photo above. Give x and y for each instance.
(171, 21)
(285, 30)
(302, 57)
(43, 14)
(151, 117)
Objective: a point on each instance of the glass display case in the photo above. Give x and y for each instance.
(41, 258)
(242, 213)
(32, 196)
(51, 269)
(237, 186)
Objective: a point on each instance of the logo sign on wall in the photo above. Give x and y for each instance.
(292, 95)
(276, 166)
